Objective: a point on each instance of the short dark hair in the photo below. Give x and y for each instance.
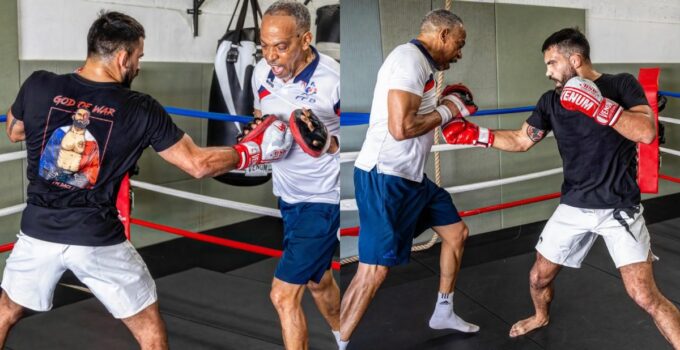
(568, 40)
(113, 31)
(293, 9)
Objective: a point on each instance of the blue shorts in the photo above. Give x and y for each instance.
(309, 241)
(393, 211)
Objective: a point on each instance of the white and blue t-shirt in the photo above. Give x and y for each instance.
(300, 177)
(409, 67)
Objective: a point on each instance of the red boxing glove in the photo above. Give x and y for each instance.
(461, 132)
(268, 141)
(582, 95)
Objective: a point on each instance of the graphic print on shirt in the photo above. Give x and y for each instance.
(309, 94)
(71, 156)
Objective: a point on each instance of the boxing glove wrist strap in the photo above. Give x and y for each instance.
(445, 113)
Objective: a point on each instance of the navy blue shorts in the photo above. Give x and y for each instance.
(393, 211)
(309, 241)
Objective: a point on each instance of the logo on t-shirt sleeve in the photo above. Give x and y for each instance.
(70, 158)
(429, 84)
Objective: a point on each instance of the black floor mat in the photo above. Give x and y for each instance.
(203, 310)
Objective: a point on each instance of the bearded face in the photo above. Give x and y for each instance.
(81, 119)
(558, 67)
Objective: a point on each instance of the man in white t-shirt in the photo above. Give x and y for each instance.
(396, 200)
(292, 76)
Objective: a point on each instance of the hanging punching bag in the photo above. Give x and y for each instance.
(231, 91)
(328, 30)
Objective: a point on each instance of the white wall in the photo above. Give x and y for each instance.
(624, 31)
(57, 29)
(620, 31)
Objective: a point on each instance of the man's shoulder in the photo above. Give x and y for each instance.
(620, 76)
(548, 97)
(405, 52)
(617, 80)
(328, 64)
(136, 96)
(136, 101)
(40, 77)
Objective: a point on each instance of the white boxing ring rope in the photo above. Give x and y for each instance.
(345, 204)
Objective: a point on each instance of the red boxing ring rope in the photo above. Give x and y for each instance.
(216, 240)
(354, 231)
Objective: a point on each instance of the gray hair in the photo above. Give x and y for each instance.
(293, 9)
(438, 19)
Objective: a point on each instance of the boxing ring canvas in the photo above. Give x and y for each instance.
(591, 309)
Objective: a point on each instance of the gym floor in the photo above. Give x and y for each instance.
(591, 309)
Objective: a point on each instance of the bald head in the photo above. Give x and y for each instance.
(439, 19)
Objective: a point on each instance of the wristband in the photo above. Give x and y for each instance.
(462, 109)
(445, 113)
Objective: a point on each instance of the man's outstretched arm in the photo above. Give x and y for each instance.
(520, 140)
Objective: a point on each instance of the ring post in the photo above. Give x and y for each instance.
(648, 155)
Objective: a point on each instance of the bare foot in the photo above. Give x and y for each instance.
(527, 325)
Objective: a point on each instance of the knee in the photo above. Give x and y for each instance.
(11, 316)
(465, 232)
(10, 313)
(379, 276)
(536, 281)
(373, 278)
(327, 285)
(459, 236)
(317, 288)
(280, 298)
(647, 300)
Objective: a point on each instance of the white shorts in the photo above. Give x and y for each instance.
(115, 274)
(571, 232)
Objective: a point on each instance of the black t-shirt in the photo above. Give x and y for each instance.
(81, 139)
(600, 164)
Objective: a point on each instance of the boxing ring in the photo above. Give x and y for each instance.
(591, 309)
(217, 287)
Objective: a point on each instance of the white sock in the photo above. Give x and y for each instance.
(342, 345)
(443, 316)
(336, 334)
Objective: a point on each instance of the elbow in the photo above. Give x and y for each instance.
(647, 137)
(14, 138)
(399, 134)
(197, 174)
(523, 145)
(197, 170)
(648, 134)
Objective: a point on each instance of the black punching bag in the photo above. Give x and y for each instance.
(328, 30)
(231, 90)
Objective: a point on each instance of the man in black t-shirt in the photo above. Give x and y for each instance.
(597, 120)
(84, 131)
